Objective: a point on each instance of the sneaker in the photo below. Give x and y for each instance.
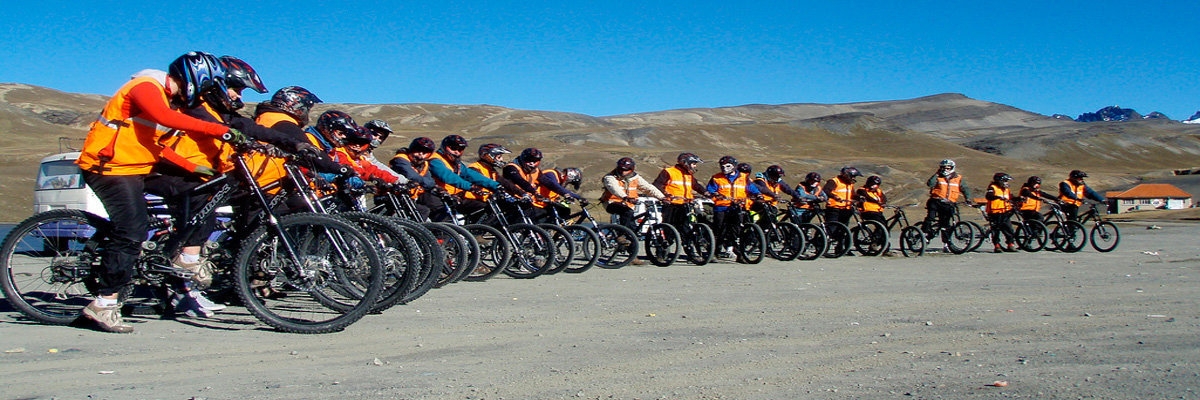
(1012, 248)
(187, 304)
(107, 319)
(202, 271)
(998, 249)
(206, 303)
(637, 261)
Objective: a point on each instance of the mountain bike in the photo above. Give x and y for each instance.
(618, 244)
(1064, 235)
(912, 240)
(1104, 235)
(662, 240)
(816, 241)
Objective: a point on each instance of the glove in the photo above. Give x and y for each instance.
(234, 136)
(205, 171)
(307, 150)
(355, 182)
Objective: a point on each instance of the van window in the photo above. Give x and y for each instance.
(62, 174)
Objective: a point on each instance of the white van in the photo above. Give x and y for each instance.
(60, 185)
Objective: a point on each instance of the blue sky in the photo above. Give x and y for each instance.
(617, 57)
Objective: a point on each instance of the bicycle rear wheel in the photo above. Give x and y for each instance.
(1105, 236)
(699, 243)
(398, 250)
(564, 247)
(912, 241)
(533, 252)
(431, 259)
(454, 246)
(587, 248)
(815, 241)
(1068, 237)
(326, 248)
(962, 237)
(839, 238)
(784, 242)
(751, 245)
(1031, 235)
(495, 252)
(870, 238)
(472, 248)
(48, 260)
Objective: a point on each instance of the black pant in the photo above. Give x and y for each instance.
(1071, 211)
(725, 223)
(842, 215)
(1002, 223)
(175, 185)
(431, 206)
(941, 212)
(1031, 215)
(623, 215)
(124, 199)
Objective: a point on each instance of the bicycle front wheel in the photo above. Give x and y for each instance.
(784, 242)
(564, 247)
(1105, 237)
(751, 245)
(587, 248)
(839, 239)
(662, 244)
(962, 237)
(699, 245)
(533, 252)
(48, 261)
(870, 238)
(494, 252)
(618, 246)
(329, 255)
(815, 241)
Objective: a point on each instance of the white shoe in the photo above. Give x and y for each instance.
(185, 303)
(206, 303)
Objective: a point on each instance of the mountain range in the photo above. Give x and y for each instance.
(900, 140)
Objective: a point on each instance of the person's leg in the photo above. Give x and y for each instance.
(123, 200)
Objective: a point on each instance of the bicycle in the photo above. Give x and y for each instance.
(1104, 235)
(314, 259)
(958, 239)
(784, 239)
(1064, 235)
(747, 238)
(816, 240)
(618, 244)
(662, 240)
(912, 240)
(1028, 235)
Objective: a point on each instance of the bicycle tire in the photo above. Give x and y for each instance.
(495, 252)
(616, 252)
(961, 237)
(751, 245)
(587, 248)
(1069, 237)
(870, 238)
(472, 250)
(455, 248)
(912, 241)
(979, 236)
(53, 285)
(260, 259)
(784, 242)
(700, 245)
(533, 252)
(431, 259)
(839, 238)
(1031, 236)
(564, 247)
(662, 244)
(398, 250)
(1105, 236)
(815, 241)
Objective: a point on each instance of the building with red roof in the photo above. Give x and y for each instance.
(1148, 196)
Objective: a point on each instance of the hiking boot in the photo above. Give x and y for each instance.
(637, 261)
(186, 303)
(998, 249)
(1012, 248)
(107, 319)
(623, 241)
(206, 303)
(202, 271)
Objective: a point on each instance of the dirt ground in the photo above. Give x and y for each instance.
(1120, 325)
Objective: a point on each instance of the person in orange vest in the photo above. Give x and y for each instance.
(119, 153)
(1031, 197)
(524, 172)
(731, 192)
(380, 131)
(552, 186)
(1073, 191)
(412, 162)
(999, 211)
(870, 200)
(491, 160)
(946, 187)
(454, 178)
(840, 191)
(809, 192)
(622, 187)
(678, 183)
(772, 187)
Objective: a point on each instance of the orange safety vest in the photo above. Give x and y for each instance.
(844, 191)
(488, 172)
(679, 185)
(451, 189)
(876, 195)
(1078, 189)
(423, 171)
(122, 144)
(206, 151)
(630, 189)
(1031, 203)
(735, 189)
(804, 204)
(770, 199)
(545, 191)
(946, 188)
(532, 179)
(1001, 203)
(266, 169)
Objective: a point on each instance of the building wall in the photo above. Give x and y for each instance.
(1127, 205)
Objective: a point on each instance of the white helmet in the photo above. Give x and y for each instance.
(947, 163)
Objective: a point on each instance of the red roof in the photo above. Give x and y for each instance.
(1151, 191)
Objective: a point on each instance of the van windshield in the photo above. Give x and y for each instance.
(62, 174)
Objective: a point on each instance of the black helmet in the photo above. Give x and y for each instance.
(530, 155)
(744, 168)
(812, 177)
(421, 145)
(490, 152)
(851, 171)
(775, 172)
(1077, 174)
(874, 180)
(1034, 180)
(380, 128)
(1001, 177)
(727, 160)
(240, 75)
(199, 73)
(625, 164)
(335, 121)
(685, 158)
(454, 142)
(360, 136)
(295, 101)
(572, 176)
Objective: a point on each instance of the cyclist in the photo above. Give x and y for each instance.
(622, 187)
(120, 151)
(678, 183)
(726, 187)
(552, 185)
(1073, 191)
(1031, 197)
(454, 178)
(840, 190)
(870, 199)
(412, 162)
(772, 187)
(380, 131)
(355, 153)
(946, 187)
(808, 192)
(524, 172)
(1000, 211)
(491, 159)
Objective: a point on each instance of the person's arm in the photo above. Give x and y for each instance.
(933, 180)
(612, 185)
(663, 178)
(405, 168)
(549, 179)
(513, 173)
(152, 102)
(962, 188)
(262, 133)
(829, 188)
(787, 189)
(712, 187)
(753, 189)
(762, 188)
(1065, 189)
(476, 178)
(991, 193)
(384, 169)
(1091, 194)
(804, 195)
(644, 185)
(442, 172)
